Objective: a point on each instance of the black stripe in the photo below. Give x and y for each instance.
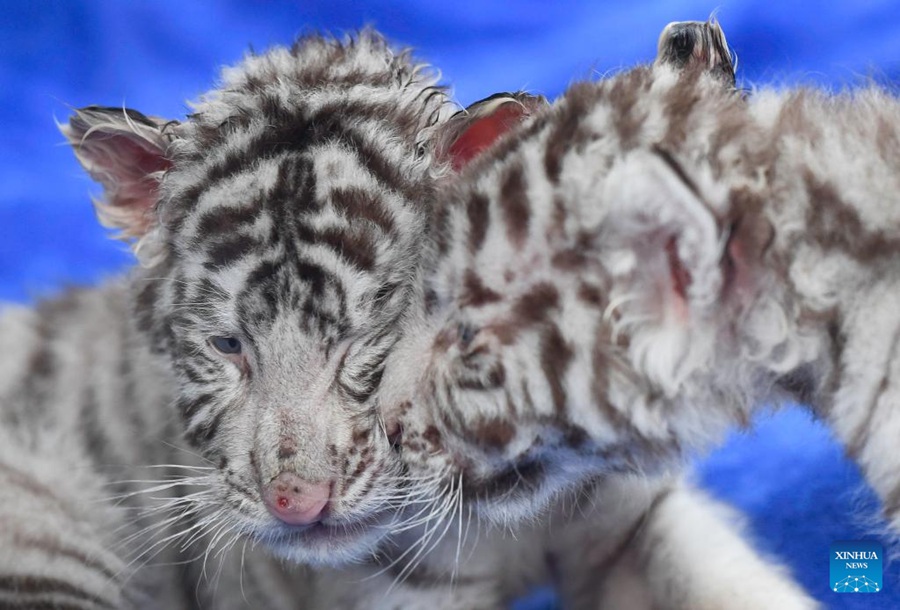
(96, 443)
(482, 380)
(264, 272)
(478, 212)
(677, 169)
(189, 407)
(187, 350)
(536, 305)
(567, 122)
(295, 190)
(556, 355)
(207, 290)
(315, 275)
(54, 548)
(359, 204)
(354, 247)
(329, 52)
(366, 384)
(442, 229)
(193, 373)
(623, 94)
(203, 433)
(47, 603)
(25, 481)
(38, 383)
(475, 292)
(515, 205)
(506, 484)
(293, 133)
(230, 250)
(226, 220)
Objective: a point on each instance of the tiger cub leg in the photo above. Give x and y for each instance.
(674, 548)
(695, 556)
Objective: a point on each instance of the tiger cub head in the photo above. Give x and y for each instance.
(280, 230)
(278, 227)
(576, 276)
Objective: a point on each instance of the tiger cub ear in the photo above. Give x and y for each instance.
(126, 152)
(471, 131)
(686, 44)
(664, 236)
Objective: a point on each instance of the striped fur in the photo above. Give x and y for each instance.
(291, 218)
(77, 427)
(501, 383)
(649, 261)
(532, 363)
(287, 213)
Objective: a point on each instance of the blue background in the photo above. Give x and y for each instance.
(787, 476)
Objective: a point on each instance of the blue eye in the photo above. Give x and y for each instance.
(226, 345)
(465, 334)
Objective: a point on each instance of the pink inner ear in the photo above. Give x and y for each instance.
(484, 132)
(126, 168)
(142, 160)
(681, 277)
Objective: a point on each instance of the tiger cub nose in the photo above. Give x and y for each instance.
(295, 501)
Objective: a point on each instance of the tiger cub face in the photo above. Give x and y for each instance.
(279, 227)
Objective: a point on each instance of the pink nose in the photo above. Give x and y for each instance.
(295, 501)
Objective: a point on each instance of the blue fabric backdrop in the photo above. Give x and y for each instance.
(787, 476)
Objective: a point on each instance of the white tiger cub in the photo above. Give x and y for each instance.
(652, 567)
(648, 262)
(275, 227)
(278, 227)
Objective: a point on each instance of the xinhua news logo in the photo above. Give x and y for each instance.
(856, 567)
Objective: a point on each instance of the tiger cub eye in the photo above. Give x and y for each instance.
(228, 346)
(465, 334)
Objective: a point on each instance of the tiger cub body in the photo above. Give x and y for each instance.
(525, 375)
(647, 263)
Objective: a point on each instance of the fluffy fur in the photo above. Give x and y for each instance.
(279, 230)
(543, 306)
(283, 214)
(647, 263)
